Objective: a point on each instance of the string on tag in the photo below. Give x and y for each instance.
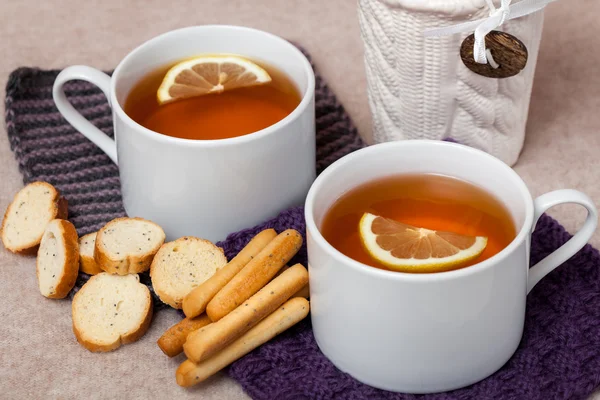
(496, 18)
(482, 27)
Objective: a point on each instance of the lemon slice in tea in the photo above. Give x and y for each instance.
(209, 74)
(408, 248)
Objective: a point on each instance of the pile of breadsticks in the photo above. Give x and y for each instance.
(246, 303)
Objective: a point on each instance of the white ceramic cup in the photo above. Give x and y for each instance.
(422, 333)
(205, 188)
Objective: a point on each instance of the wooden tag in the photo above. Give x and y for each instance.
(508, 52)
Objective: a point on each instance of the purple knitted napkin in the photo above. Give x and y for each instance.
(559, 356)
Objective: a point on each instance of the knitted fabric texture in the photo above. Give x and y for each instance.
(559, 356)
(49, 149)
(419, 87)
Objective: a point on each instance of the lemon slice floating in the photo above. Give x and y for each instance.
(408, 248)
(209, 74)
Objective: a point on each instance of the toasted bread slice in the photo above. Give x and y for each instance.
(25, 219)
(183, 264)
(87, 264)
(111, 310)
(127, 245)
(58, 259)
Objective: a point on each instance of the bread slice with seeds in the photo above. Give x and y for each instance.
(87, 264)
(58, 259)
(127, 245)
(25, 219)
(111, 310)
(183, 264)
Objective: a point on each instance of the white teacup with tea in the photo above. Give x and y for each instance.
(213, 164)
(418, 257)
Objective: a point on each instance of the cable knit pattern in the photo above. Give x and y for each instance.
(559, 356)
(419, 88)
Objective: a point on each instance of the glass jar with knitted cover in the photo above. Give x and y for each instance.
(419, 88)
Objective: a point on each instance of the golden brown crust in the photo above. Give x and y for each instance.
(195, 302)
(166, 298)
(87, 264)
(31, 251)
(185, 370)
(138, 333)
(304, 292)
(289, 314)
(59, 211)
(71, 265)
(130, 338)
(62, 208)
(132, 264)
(207, 341)
(4, 218)
(171, 342)
(255, 274)
(93, 347)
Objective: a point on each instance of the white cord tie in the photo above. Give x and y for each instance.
(484, 26)
(491, 60)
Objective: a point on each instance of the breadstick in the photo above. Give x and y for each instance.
(282, 270)
(304, 292)
(171, 342)
(205, 342)
(289, 314)
(195, 302)
(255, 274)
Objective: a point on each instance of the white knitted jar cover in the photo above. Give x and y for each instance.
(419, 88)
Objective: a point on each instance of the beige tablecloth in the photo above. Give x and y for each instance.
(38, 353)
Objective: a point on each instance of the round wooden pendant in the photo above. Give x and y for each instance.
(508, 52)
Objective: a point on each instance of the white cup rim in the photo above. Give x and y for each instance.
(295, 114)
(315, 234)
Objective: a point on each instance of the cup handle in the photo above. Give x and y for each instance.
(576, 243)
(84, 126)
